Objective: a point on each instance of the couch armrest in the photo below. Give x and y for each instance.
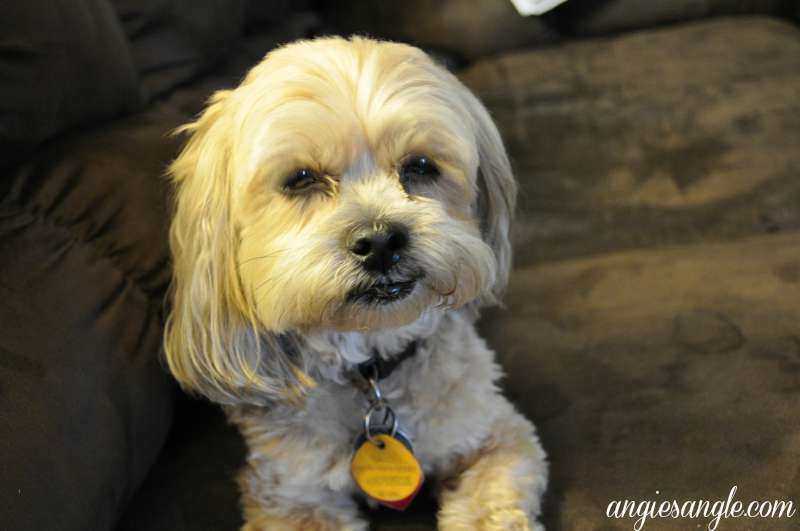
(85, 405)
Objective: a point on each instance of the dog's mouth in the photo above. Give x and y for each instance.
(384, 291)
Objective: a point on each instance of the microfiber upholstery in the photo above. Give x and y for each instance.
(63, 64)
(669, 136)
(652, 327)
(605, 17)
(83, 271)
(660, 374)
(174, 41)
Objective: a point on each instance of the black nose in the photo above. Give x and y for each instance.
(379, 249)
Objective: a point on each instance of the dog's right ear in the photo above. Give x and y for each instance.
(212, 343)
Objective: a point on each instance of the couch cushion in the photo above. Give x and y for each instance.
(661, 137)
(63, 63)
(192, 486)
(603, 17)
(83, 270)
(660, 374)
(652, 321)
(84, 406)
(173, 41)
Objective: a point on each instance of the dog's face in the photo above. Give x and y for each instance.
(346, 185)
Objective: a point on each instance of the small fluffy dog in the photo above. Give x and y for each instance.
(340, 218)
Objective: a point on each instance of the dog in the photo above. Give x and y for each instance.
(340, 219)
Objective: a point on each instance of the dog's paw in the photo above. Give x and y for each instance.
(505, 519)
(306, 524)
(496, 519)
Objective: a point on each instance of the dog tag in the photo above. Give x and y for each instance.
(386, 470)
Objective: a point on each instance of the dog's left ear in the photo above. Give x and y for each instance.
(497, 194)
(213, 344)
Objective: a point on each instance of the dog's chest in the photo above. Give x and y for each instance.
(441, 401)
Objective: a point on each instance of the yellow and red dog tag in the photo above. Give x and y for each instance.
(386, 470)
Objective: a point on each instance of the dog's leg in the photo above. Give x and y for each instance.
(328, 515)
(272, 502)
(499, 487)
(301, 522)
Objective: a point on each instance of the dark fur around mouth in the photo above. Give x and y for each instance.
(383, 291)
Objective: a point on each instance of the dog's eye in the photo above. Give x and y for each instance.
(301, 180)
(416, 169)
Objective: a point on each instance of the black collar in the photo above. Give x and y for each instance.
(380, 368)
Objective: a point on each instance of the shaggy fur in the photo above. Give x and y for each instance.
(262, 319)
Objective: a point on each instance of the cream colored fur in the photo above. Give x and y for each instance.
(261, 321)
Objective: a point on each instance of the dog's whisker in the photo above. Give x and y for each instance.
(271, 280)
(262, 257)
